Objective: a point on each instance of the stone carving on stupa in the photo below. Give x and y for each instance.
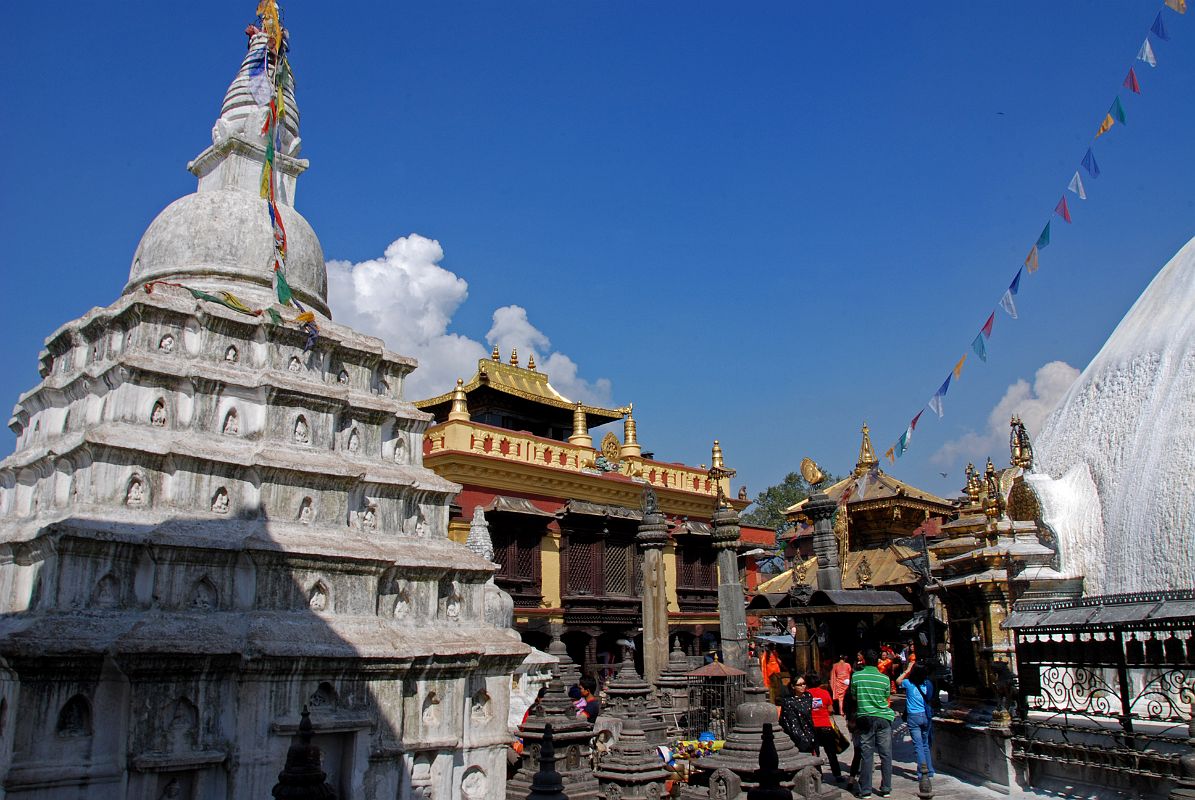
(203, 525)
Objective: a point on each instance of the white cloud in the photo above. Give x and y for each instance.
(1033, 404)
(408, 300)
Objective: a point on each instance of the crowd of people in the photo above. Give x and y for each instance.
(861, 693)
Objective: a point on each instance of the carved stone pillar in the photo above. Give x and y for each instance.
(732, 610)
(651, 538)
(820, 509)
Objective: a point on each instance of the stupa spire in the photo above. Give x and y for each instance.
(867, 456)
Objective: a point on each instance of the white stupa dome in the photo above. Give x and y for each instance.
(1115, 461)
(220, 237)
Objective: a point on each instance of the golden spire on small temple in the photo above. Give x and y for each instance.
(460, 405)
(531, 362)
(719, 474)
(514, 356)
(496, 356)
(867, 456)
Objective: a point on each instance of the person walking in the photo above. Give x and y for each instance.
(769, 666)
(824, 733)
(796, 716)
(840, 680)
(872, 691)
(918, 690)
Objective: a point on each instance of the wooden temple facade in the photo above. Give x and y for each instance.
(563, 511)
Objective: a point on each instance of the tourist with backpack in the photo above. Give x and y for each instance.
(919, 711)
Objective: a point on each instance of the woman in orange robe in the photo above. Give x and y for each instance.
(840, 681)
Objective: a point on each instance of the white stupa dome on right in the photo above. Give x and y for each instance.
(1115, 462)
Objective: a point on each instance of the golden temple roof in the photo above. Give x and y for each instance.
(526, 383)
(873, 566)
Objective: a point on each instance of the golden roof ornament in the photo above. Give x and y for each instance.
(514, 356)
(460, 403)
(812, 473)
(973, 489)
(630, 436)
(496, 356)
(867, 456)
(863, 573)
(993, 503)
(1019, 445)
(531, 362)
(719, 473)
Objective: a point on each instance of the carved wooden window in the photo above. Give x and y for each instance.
(617, 568)
(697, 568)
(581, 567)
(517, 553)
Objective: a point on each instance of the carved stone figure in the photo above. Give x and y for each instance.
(305, 511)
(302, 431)
(135, 495)
(166, 344)
(295, 365)
(232, 425)
(157, 417)
(231, 355)
(354, 441)
(342, 378)
(220, 501)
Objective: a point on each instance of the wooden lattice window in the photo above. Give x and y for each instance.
(580, 566)
(697, 568)
(616, 568)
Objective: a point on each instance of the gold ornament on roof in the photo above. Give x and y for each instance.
(811, 472)
(1018, 444)
(496, 356)
(993, 503)
(973, 487)
(863, 572)
(514, 356)
(718, 473)
(867, 456)
(610, 447)
(531, 362)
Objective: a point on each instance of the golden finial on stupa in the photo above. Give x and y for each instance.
(719, 474)
(1018, 444)
(496, 356)
(460, 405)
(630, 436)
(993, 503)
(717, 462)
(580, 435)
(531, 362)
(867, 456)
(973, 489)
(514, 356)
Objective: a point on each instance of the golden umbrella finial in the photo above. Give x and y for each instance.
(496, 356)
(514, 356)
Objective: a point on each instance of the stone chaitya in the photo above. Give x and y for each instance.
(214, 517)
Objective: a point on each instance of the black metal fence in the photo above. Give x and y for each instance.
(1106, 682)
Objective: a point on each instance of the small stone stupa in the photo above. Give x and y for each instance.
(217, 513)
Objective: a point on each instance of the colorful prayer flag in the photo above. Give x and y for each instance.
(1146, 53)
(1006, 302)
(1117, 111)
(913, 424)
(902, 444)
(1061, 209)
(1159, 28)
(987, 326)
(935, 402)
(1044, 239)
(1130, 82)
(1076, 186)
(259, 81)
(1089, 164)
(283, 288)
(891, 455)
(981, 349)
(1178, 5)
(958, 368)
(1105, 126)
(1031, 259)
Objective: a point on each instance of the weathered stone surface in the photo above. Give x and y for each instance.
(206, 526)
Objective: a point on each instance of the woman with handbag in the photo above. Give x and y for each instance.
(825, 732)
(918, 691)
(796, 716)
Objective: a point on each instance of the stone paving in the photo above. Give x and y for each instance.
(904, 775)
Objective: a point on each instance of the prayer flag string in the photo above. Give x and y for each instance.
(1113, 116)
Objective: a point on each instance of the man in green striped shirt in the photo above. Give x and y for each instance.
(871, 691)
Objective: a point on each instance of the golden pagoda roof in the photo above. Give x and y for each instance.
(879, 489)
(525, 383)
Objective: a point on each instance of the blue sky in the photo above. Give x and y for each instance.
(764, 225)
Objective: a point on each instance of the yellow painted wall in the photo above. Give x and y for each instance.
(670, 576)
(549, 566)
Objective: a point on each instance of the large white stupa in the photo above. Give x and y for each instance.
(215, 518)
(1116, 459)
